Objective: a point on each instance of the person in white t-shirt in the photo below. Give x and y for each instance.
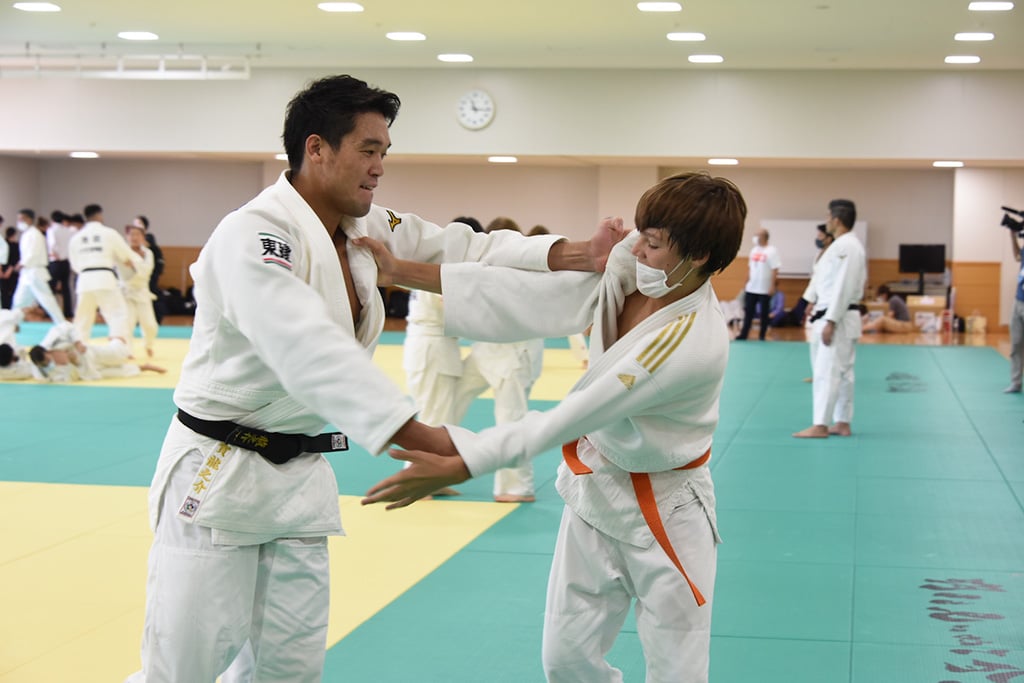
(764, 266)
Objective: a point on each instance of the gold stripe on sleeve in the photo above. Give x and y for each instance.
(658, 351)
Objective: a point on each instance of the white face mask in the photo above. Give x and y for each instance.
(653, 282)
(23, 226)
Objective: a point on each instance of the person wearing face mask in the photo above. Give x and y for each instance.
(763, 264)
(639, 520)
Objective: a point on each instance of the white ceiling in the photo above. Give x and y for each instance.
(506, 34)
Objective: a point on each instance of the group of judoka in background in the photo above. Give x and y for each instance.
(112, 276)
(444, 385)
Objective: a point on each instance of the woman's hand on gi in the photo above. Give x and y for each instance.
(427, 472)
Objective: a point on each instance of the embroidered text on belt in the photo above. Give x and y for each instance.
(818, 315)
(648, 505)
(275, 447)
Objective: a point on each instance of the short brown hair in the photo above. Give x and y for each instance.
(702, 214)
(502, 223)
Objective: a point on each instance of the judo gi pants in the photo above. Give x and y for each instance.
(140, 312)
(1017, 343)
(203, 601)
(110, 303)
(832, 367)
(510, 404)
(34, 288)
(594, 580)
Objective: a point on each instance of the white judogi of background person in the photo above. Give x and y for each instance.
(94, 252)
(135, 287)
(12, 367)
(431, 360)
(639, 521)
(839, 280)
(509, 370)
(34, 275)
(69, 359)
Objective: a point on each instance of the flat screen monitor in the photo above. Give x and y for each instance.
(922, 258)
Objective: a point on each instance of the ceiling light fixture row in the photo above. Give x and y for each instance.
(401, 36)
(681, 36)
(977, 36)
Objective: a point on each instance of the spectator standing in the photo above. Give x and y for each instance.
(763, 266)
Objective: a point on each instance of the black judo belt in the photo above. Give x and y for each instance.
(275, 447)
(818, 315)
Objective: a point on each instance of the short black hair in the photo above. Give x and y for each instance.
(76, 218)
(92, 210)
(471, 222)
(328, 107)
(844, 211)
(28, 212)
(37, 354)
(883, 290)
(143, 220)
(57, 216)
(6, 355)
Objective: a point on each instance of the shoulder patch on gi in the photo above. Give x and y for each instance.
(667, 341)
(276, 250)
(627, 381)
(393, 220)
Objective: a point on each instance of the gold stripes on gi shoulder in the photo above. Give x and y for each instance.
(667, 341)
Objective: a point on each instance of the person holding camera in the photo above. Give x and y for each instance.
(1017, 322)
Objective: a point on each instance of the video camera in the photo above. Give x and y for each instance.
(1012, 223)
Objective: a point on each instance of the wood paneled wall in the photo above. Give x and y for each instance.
(977, 284)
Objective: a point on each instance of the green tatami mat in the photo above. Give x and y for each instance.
(894, 555)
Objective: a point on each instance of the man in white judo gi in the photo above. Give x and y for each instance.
(94, 252)
(33, 271)
(639, 522)
(287, 316)
(134, 281)
(839, 278)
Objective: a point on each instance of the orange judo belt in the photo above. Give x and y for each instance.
(648, 505)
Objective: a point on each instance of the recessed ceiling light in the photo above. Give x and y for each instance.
(706, 59)
(137, 35)
(947, 164)
(723, 162)
(37, 7)
(406, 35)
(281, 157)
(455, 57)
(659, 7)
(963, 59)
(990, 6)
(340, 7)
(687, 37)
(84, 155)
(502, 160)
(974, 36)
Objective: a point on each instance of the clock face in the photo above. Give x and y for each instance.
(476, 109)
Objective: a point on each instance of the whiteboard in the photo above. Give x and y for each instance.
(794, 240)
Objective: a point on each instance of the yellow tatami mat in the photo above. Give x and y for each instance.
(72, 587)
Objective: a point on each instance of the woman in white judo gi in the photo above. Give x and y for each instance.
(135, 287)
(639, 522)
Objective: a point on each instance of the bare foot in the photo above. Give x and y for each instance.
(511, 498)
(152, 368)
(840, 429)
(447, 491)
(813, 432)
(149, 352)
(808, 379)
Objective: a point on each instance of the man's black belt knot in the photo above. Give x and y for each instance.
(275, 447)
(818, 315)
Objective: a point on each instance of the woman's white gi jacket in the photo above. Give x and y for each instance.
(274, 347)
(647, 403)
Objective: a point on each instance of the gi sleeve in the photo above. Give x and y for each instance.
(287, 323)
(629, 388)
(488, 303)
(844, 293)
(410, 237)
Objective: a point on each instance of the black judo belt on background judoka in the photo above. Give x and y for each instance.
(275, 447)
(818, 315)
